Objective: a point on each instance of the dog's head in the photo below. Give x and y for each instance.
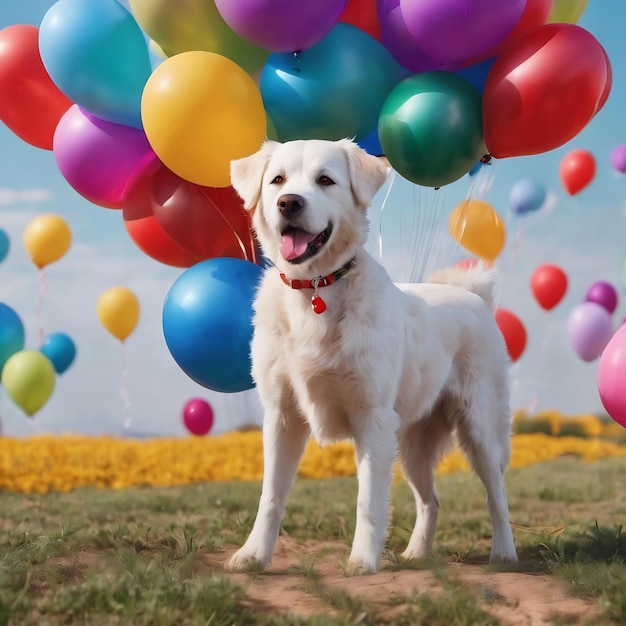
(309, 200)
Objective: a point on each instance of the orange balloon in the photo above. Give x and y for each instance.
(576, 170)
(513, 331)
(31, 104)
(543, 89)
(478, 228)
(548, 283)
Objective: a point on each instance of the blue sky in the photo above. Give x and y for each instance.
(584, 234)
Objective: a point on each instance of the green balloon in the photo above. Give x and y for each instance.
(28, 377)
(431, 128)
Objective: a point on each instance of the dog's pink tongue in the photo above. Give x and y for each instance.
(294, 243)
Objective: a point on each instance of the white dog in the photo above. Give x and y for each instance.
(339, 351)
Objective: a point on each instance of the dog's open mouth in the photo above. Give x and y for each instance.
(299, 245)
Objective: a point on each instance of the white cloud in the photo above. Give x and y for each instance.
(24, 196)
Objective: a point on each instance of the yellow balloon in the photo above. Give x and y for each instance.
(200, 111)
(478, 228)
(29, 377)
(118, 311)
(567, 11)
(46, 239)
(186, 25)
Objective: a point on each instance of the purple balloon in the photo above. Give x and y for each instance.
(618, 158)
(396, 38)
(455, 31)
(281, 25)
(589, 329)
(99, 158)
(604, 294)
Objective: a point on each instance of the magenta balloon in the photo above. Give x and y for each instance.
(99, 158)
(396, 38)
(456, 31)
(281, 25)
(198, 416)
(589, 329)
(604, 294)
(611, 377)
(618, 158)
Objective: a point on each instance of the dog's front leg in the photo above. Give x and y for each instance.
(376, 446)
(284, 439)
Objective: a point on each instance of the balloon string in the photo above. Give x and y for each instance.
(125, 388)
(541, 374)
(43, 289)
(240, 243)
(392, 179)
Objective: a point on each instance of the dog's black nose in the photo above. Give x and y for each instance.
(290, 203)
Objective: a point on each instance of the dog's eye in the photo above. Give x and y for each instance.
(325, 180)
(276, 180)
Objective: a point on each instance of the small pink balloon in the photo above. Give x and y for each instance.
(99, 158)
(612, 377)
(198, 416)
(604, 294)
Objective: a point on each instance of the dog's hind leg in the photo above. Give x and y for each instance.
(376, 447)
(284, 439)
(422, 444)
(488, 452)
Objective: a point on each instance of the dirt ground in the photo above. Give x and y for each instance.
(517, 597)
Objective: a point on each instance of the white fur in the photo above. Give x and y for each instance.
(395, 370)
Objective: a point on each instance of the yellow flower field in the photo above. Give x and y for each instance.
(61, 463)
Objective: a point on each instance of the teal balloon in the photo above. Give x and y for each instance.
(96, 54)
(430, 128)
(60, 349)
(332, 90)
(5, 244)
(11, 333)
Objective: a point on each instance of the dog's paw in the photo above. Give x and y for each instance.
(416, 554)
(244, 561)
(503, 557)
(360, 566)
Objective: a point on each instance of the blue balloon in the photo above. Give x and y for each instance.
(371, 143)
(11, 333)
(526, 195)
(4, 244)
(476, 168)
(207, 322)
(334, 89)
(60, 349)
(477, 73)
(96, 54)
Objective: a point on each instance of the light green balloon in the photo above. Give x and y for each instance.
(28, 377)
(567, 11)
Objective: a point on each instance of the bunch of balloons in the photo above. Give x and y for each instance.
(590, 324)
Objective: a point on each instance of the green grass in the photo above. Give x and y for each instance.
(146, 556)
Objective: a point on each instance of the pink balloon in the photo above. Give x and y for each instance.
(198, 416)
(618, 158)
(612, 377)
(604, 294)
(589, 328)
(99, 158)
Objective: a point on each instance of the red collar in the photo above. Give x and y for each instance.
(318, 281)
(317, 303)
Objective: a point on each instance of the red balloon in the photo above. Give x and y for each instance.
(208, 222)
(576, 170)
(144, 228)
(198, 416)
(31, 104)
(548, 284)
(364, 15)
(609, 82)
(543, 89)
(513, 331)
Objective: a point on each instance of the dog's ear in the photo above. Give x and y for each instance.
(367, 172)
(246, 174)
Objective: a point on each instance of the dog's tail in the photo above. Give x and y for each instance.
(479, 279)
